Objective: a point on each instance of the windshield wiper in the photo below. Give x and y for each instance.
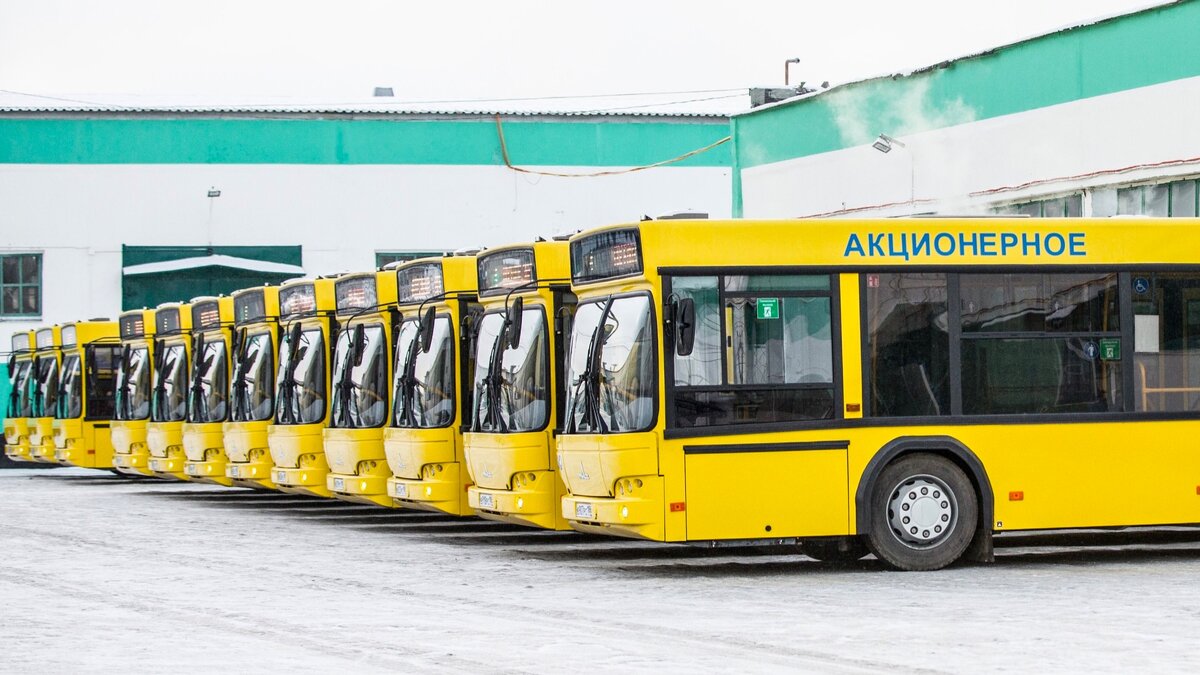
(408, 385)
(589, 380)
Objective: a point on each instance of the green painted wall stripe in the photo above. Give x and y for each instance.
(1147, 48)
(451, 142)
(139, 255)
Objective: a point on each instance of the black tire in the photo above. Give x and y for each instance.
(841, 550)
(932, 499)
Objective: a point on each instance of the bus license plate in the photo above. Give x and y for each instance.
(281, 477)
(233, 471)
(154, 465)
(585, 511)
(486, 501)
(339, 484)
(401, 490)
(190, 469)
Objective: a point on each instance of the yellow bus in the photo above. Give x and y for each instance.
(169, 396)
(366, 305)
(135, 377)
(907, 387)
(208, 404)
(517, 384)
(302, 383)
(431, 384)
(252, 395)
(20, 400)
(47, 362)
(87, 394)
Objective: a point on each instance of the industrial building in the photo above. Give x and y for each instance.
(1092, 120)
(106, 207)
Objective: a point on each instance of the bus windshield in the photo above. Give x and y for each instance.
(512, 385)
(253, 396)
(169, 403)
(611, 370)
(70, 400)
(45, 388)
(301, 381)
(133, 384)
(424, 381)
(360, 384)
(19, 404)
(209, 394)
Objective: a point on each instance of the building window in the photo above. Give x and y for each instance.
(21, 285)
(383, 258)
(1164, 200)
(1070, 206)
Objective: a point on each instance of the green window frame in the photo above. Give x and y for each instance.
(20, 285)
(1177, 199)
(1067, 206)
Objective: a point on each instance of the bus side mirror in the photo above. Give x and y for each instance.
(685, 326)
(294, 337)
(125, 352)
(198, 346)
(358, 346)
(158, 354)
(426, 329)
(516, 311)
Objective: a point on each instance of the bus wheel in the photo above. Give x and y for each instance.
(923, 513)
(840, 550)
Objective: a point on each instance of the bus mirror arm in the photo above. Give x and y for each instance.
(685, 326)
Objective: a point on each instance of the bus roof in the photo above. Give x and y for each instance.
(903, 242)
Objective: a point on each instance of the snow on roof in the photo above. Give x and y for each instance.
(701, 104)
(1158, 4)
(212, 261)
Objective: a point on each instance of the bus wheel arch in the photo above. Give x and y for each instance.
(980, 547)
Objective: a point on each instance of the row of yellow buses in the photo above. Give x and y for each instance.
(906, 388)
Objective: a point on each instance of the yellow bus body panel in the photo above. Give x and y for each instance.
(130, 454)
(16, 439)
(204, 452)
(297, 458)
(248, 459)
(358, 469)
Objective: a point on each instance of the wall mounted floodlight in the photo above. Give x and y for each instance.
(214, 192)
(884, 143)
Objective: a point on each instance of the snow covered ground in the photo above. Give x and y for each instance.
(100, 573)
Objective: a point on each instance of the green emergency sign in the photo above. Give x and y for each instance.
(768, 308)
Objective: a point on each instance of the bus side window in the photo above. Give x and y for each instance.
(908, 344)
(1166, 331)
(763, 351)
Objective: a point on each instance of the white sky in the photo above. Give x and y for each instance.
(254, 51)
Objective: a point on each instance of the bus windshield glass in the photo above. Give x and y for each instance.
(301, 381)
(424, 382)
(133, 385)
(170, 388)
(209, 395)
(512, 385)
(360, 379)
(19, 404)
(45, 392)
(611, 367)
(70, 399)
(253, 397)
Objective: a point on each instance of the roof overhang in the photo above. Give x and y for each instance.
(226, 261)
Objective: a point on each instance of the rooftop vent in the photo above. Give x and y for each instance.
(384, 91)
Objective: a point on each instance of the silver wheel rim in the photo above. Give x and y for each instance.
(922, 511)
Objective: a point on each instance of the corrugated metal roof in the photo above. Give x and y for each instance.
(344, 110)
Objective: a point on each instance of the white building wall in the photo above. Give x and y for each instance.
(1126, 137)
(78, 216)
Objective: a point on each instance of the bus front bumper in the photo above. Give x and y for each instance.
(133, 463)
(19, 451)
(442, 488)
(171, 466)
(301, 481)
(529, 502)
(361, 489)
(639, 514)
(209, 471)
(254, 474)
